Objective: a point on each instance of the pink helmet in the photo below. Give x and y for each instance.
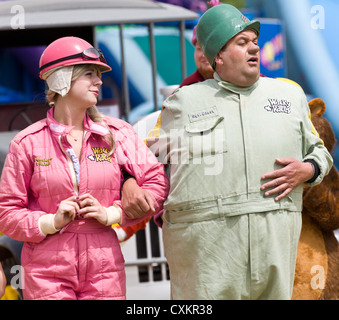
(69, 51)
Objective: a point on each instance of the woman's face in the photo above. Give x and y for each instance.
(85, 89)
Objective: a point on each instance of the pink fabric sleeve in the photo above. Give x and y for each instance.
(139, 161)
(16, 220)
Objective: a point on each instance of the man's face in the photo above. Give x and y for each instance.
(202, 64)
(239, 61)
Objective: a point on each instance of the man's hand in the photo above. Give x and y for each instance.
(135, 201)
(284, 180)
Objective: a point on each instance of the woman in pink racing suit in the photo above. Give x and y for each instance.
(60, 185)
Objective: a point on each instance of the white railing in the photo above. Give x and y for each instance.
(146, 266)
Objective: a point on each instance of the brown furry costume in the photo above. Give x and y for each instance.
(317, 268)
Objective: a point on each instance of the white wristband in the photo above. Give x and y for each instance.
(114, 215)
(46, 224)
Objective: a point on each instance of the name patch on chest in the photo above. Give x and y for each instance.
(278, 106)
(203, 114)
(43, 162)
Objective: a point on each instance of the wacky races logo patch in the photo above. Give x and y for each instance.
(278, 106)
(100, 155)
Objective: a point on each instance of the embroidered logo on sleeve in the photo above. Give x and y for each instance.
(278, 106)
(203, 114)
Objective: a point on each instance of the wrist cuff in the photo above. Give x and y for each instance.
(316, 170)
(114, 214)
(46, 224)
(126, 176)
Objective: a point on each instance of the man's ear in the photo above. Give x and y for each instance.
(218, 60)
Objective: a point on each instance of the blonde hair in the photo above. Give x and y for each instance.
(92, 111)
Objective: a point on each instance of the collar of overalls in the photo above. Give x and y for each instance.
(61, 129)
(234, 88)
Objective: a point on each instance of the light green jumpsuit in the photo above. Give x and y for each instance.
(223, 239)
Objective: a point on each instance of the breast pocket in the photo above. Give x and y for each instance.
(206, 137)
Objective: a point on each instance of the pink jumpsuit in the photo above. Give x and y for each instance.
(84, 259)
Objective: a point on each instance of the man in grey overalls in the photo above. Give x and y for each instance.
(238, 149)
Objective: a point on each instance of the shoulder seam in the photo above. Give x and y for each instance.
(33, 128)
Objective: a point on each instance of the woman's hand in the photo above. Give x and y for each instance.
(66, 212)
(91, 208)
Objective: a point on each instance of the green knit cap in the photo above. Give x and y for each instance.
(218, 25)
